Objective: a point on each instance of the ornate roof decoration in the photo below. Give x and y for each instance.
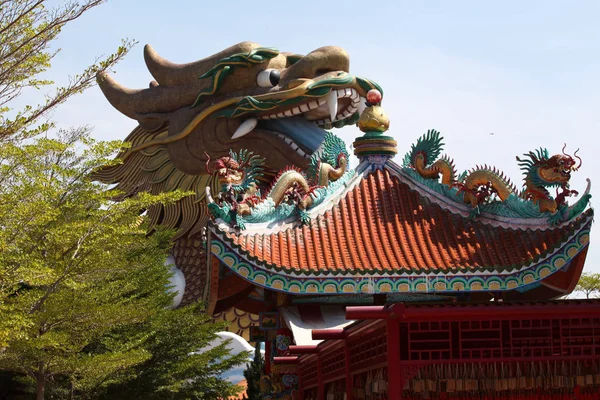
(389, 228)
(384, 237)
(373, 145)
(321, 227)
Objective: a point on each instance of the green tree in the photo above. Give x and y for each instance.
(82, 288)
(589, 284)
(74, 264)
(253, 372)
(88, 287)
(27, 30)
(176, 369)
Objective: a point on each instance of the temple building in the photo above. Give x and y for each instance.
(388, 280)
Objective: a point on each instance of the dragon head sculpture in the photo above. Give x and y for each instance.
(539, 169)
(271, 103)
(542, 172)
(247, 97)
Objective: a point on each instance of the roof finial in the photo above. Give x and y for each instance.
(373, 122)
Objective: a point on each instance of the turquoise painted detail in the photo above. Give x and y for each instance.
(339, 282)
(267, 212)
(331, 148)
(250, 104)
(253, 57)
(430, 145)
(515, 205)
(253, 169)
(365, 298)
(368, 84)
(225, 66)
(578, 208)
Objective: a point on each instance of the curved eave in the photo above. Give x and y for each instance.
(449, 282)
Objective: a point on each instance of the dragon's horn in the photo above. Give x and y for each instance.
(580, 160)
(208, 163)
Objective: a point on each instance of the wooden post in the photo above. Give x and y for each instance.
(395, 383)
(349, 383)
(300, 392)
(267, 356)
(321, 386)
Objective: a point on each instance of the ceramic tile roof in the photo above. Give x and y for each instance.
(244, 385)
(381, 225)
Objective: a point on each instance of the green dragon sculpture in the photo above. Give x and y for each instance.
(485, 185)
(239, 172)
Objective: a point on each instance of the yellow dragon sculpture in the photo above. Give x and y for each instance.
(482, 184)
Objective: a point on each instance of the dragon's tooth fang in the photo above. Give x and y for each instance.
(332, 104)
(362, 105)
(245, 128)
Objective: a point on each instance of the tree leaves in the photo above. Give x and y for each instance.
(27, 30)
(589, 285)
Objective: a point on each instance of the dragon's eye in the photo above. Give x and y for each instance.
(268, 78)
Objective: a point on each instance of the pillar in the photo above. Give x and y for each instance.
(268, 357)
(320, 384)
(395, 381)
(349, 382)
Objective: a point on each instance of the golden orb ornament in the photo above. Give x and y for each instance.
(373, 118)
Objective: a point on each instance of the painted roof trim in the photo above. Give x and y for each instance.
(330, 282)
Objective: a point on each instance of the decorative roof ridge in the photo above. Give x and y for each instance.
(328, 203)
(465, 211)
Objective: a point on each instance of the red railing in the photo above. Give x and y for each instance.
(368, 351)
(506, 340)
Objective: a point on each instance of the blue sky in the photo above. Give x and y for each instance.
(525, 71)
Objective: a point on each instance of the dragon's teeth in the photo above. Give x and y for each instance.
(301, 152)
(313, 104)
(304, 108)
(362, 104)
(332, 104)
(245, 128)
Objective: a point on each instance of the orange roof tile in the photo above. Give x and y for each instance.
(382, 225)
(244, 385)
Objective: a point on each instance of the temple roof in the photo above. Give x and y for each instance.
(387, 235)
(381, 225)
